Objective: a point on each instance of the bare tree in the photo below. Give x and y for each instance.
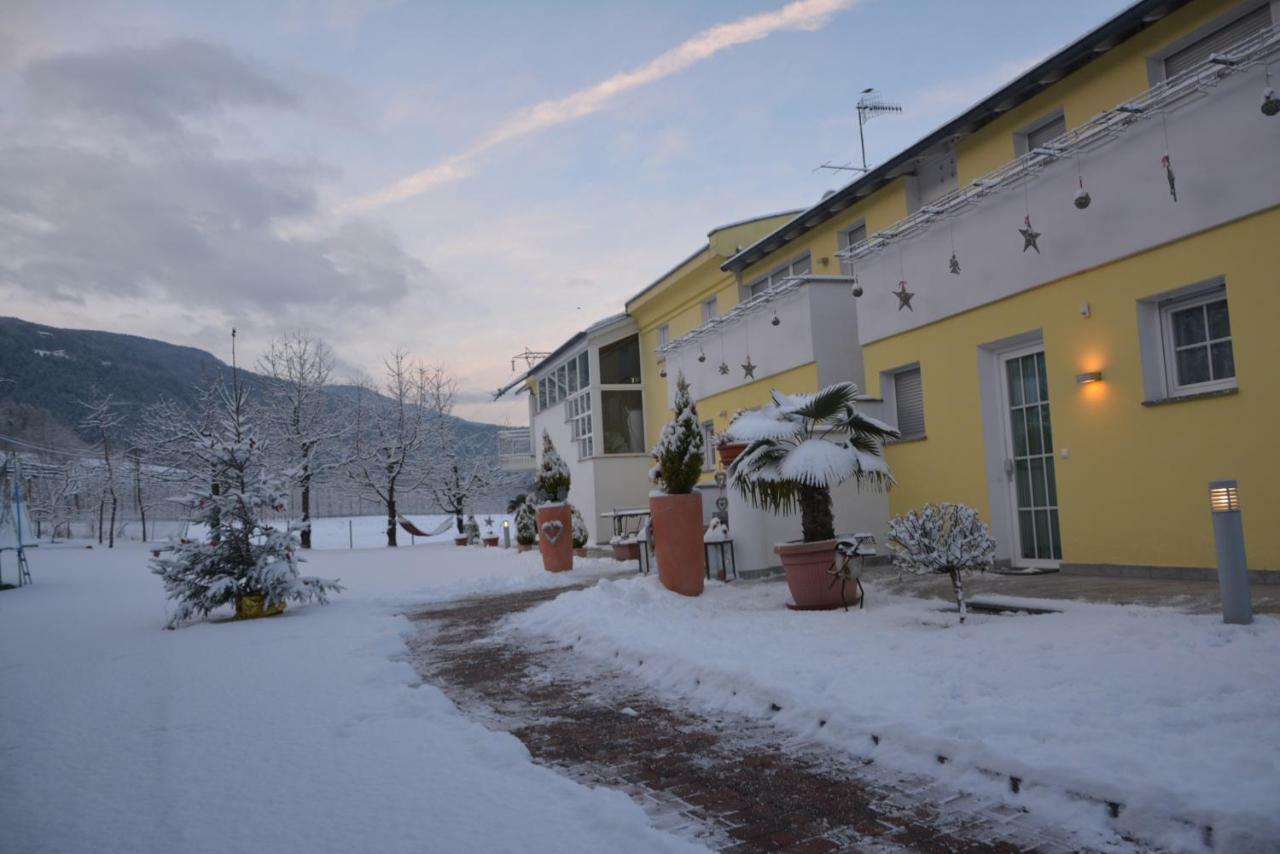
(102, 420)
(302, 417)
(390, 434)
(461, 469)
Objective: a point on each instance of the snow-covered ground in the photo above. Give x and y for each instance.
(1169, 714)
(305, 732)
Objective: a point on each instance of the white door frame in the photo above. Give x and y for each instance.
(1010, 482)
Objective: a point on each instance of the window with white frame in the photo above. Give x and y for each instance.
(1196, 333)
(1217, 39)
(566, 379)
(578, 414)
(798, 266)
(708, 309)
(708, 446)
(908, 402)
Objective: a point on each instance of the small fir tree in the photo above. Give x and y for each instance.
(581, 536)
(681, 448)
(526, 524)
(552, 481)
(943, 538)
(243, 555)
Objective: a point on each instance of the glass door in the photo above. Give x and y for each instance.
(1033, 488)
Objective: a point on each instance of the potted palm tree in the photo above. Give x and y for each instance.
(675, 508)
(798, 448)
(554, 517)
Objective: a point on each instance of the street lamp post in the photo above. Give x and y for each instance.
(1228, 538)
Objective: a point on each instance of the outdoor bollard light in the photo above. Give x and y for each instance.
(506, 533)
(1228, 537)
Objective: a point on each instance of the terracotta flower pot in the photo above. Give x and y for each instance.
(555, 537)
(807, 566)
(730, 452)
(626, 551)
(677, 535)
(582, 552)
(489, 542)
(253, 606)
(459, 541)
(521, 548)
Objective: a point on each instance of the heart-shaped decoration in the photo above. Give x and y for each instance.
(553, 530)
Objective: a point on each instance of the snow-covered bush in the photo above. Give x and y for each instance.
(944, 538)
(526, 524)
(800, 446)
(552, 481)
(243, 555)
(680, 450)
(581, 536)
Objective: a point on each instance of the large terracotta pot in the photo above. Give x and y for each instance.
(555, 537)
(807, 567)
(730, 452)
(677, 536)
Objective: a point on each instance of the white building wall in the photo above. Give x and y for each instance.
(582, 485)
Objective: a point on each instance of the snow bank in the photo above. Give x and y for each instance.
(305, 732)
(1169, 714)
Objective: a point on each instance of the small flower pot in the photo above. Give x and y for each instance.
(555, 537)
(808, 571)
(580, 552)
(730, 452)
(490, 542)
(460, 541)
(521, 548)
(253, 606)
(626, 551)
(677, 535)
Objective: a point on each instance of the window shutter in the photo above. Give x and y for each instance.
(1218, 41)
(1047, 132)
(908, 395)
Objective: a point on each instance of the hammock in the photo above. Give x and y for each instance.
(414, 530)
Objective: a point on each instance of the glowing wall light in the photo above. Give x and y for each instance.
(1089, 377)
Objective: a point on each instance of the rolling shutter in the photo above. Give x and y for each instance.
(1218, 41)
(908, 395)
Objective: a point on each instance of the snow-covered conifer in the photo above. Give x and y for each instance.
(680, 450)
(526, 524)
(943, 538)
(581, 536)
(552, 481)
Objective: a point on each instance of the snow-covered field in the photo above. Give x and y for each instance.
(300, 733)
(1169, 714)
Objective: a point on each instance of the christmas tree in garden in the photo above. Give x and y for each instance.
(552, 481)
(244, 561)
(681, 447)
(581, 536)
(526, 524)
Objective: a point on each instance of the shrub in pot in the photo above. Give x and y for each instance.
(581, 536)
(728, 449)
(675, 508)
(554, 520)
(945, 538)
(526, 526)
(799, 447)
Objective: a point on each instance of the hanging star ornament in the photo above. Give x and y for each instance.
(904, 296)
(724, 368)
(748, 370)
(1168, 171)
(1029, 236)
(954, 264)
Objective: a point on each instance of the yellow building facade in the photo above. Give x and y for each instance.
(1130, 332)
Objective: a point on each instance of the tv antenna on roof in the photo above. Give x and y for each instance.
(531, 358)
(870, 105)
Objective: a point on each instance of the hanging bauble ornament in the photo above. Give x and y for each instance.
(1168, 171)
(776, 320)
(663, 373)
(954, 264)
(856, 290)
(702, 356)
(1082, 199)
(1029, 236)
(1270, 103)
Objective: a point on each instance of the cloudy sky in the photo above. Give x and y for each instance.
(459, 179)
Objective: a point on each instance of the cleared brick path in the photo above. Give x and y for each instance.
(731, 783)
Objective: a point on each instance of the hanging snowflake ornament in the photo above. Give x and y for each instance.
(904, 296)
(954, 264)
(723, 369)
(1168, 171)
(1029, 236)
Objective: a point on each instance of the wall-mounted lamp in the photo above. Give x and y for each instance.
(1089, 377)
(1228, 539)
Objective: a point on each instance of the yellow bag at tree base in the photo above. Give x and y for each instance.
(252, 607)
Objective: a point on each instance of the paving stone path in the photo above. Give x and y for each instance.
(730, 783)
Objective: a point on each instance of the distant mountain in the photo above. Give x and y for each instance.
(53, 369)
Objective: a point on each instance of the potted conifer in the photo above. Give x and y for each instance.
(799, 447)
(581, 536)
(554, 518)
(675, 507)
(526, 527)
